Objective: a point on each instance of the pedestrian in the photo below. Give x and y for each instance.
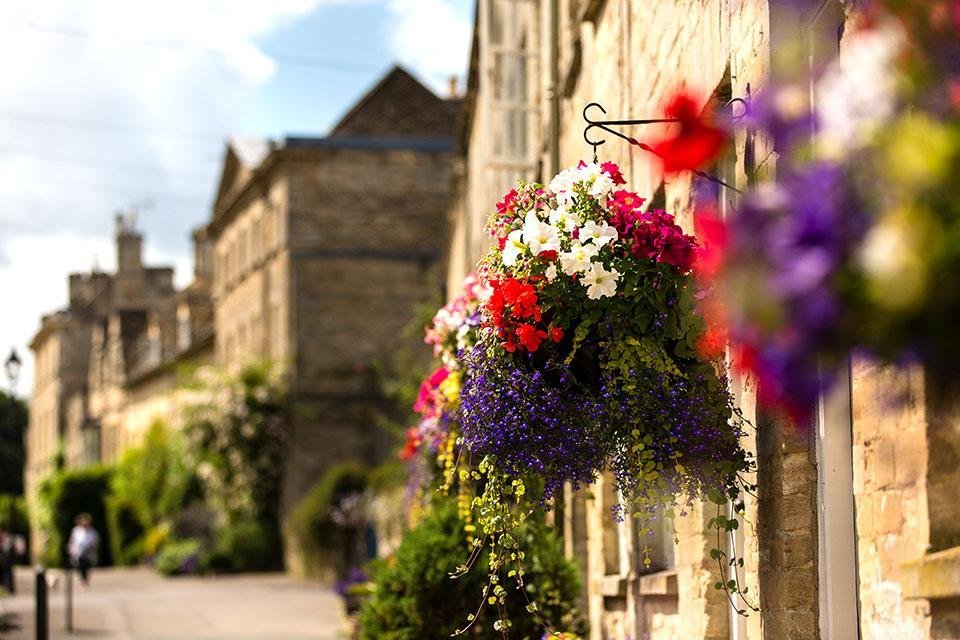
(83, 546)
(7, 553)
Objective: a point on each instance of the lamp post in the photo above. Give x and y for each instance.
(12, 367)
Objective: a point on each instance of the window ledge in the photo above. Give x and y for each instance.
(935, 576)
(612, 586)
(662, 583)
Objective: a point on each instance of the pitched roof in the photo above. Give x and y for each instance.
(399, 106)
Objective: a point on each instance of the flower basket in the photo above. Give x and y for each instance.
(578, 348)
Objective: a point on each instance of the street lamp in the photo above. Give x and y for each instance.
(12, 367)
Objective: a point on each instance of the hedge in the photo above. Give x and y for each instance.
(68, 493)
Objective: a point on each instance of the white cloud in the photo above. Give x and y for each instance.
(432, 37)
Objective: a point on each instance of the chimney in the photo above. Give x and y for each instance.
(129, 244)
(453, 89)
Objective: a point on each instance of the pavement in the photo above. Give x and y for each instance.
(139, 604)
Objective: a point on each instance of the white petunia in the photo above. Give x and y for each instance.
(563, 182)
(539, 235)
(563, 219)
(551, 273)
(602, 186)
(600, 234)
(578, 258)
(599, 282)
(514, 248)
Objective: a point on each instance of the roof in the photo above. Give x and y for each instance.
(365, 143)
(399, 105)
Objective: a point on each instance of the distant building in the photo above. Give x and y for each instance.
(317, 252)
(105, 363)
(323, 247)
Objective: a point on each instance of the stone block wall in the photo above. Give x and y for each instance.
(366, 235)
(890, 488)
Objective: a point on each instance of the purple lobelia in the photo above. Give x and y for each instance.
(537, 421)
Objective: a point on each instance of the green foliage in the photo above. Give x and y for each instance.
(13, 424)
(246, 546)
(64, 495)
(156, 475)
(126, 522)
(236, 435)
(150, 485)
(180, 557)
(387, 476)
(416, 599)
(155, 538)
(13, 516)
(323, 543)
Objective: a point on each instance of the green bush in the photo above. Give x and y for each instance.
(127, 524)
(246, 546)
(64, 495)
(415, 598)
(181, 557)
(323, 545)
(13, 517)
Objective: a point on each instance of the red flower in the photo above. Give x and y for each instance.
(676, 249)
(428, 400)
(412, 445)
(711, 233)
(712, 343)
(530, 337)
(556, 334)
(505, 206)
(548, 255)
(695, 144)
(612, 170)
(625, 202)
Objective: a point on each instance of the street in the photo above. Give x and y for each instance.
(139, 604)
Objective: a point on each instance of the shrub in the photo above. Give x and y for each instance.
(127, 524)
(155, 539)
(151, 483)
(180, 557)
(13, 517)
(67, 493)
(415, 598)
(324, 545)
(246, 546)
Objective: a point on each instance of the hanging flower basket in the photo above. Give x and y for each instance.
(582, 351)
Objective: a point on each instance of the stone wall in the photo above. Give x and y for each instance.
(890, 487)
(366, 235)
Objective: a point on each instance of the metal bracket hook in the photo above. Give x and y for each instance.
(608, 127)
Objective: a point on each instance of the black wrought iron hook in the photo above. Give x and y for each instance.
(590, 125)
(607, 126)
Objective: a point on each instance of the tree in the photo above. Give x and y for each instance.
(13, 426)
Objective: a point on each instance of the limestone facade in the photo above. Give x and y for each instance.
(323, 249)
(852, 532)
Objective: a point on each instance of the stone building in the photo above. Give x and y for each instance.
(853, 531)
(107, 364)
(322, 249)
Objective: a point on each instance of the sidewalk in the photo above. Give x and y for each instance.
(138, 604)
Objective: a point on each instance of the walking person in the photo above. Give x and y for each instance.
(83, 547)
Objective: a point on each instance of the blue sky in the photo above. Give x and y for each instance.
(108, 104)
